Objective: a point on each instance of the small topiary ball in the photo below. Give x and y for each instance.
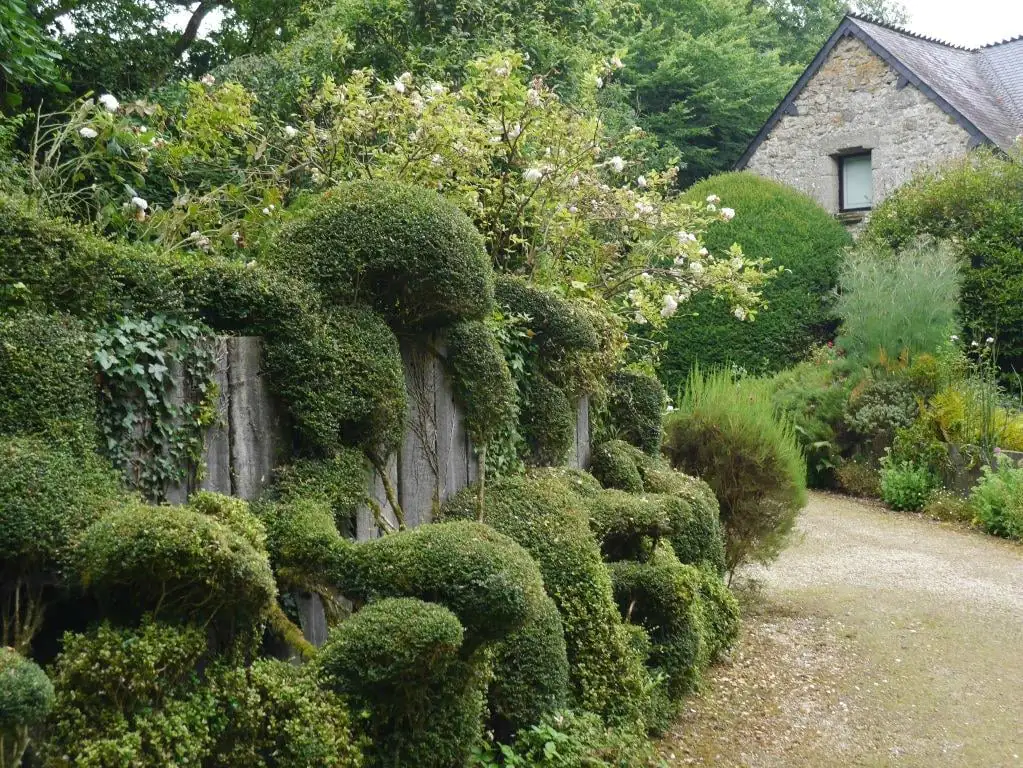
(546, 421)
(614, 465)
(405, 250)
(26, 694)
(481, 380)
(560, 329)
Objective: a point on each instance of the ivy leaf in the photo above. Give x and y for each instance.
(157, 371)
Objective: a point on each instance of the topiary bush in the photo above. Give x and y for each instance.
(401, 661)
(130, 697)
(546, 421)
(26, 697)
(302, 541)
(614, 465)
(977, 202)
(635, 408)
(338, 481)
(176, 563)
(628, 526)
(559, 329)
(403, 249)
(775, 222)
(728, 433)
(695, 532)
(481, 380)
(548, 518)
(48, 497)
(482, 576)
(46, 378)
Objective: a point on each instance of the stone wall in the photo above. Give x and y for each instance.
(855, 100)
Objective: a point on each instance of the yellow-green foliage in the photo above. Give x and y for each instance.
(339, 481)
(627, 525)
(547, 421)
(403, 249)
(614, 464)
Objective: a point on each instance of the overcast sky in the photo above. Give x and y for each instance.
(966, 22)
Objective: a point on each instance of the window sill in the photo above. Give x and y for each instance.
(852, 217)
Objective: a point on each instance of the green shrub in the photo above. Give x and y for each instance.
(48, 497)
(26, 697)
(897, 304)
(695, 534)
(546, 421)
(775, 222)
(481, 379)
(548, 518)
(859, 477)
(177, 563)
(905, 486)
(728, 433)
(46, 377)
(343, 382)
(560, 330)
(339, 481)
(301, 538)
(997, 501)
(721, 619)
(628, 526)
(879, 408)
(949, 506)
(976, 201)
(482, 576)
(401, 661)
(577, 481)
(405, 250)
(130, 697)
(614, 465)
(635, 408)
(275, 715)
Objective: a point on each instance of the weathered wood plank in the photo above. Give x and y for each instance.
(582, 433)
(418, 465)
(178, 493)
(217, 441)
(365, 523)
(312, 618)
(452, 440)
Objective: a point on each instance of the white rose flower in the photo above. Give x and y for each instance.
(686, 237)
(573, 209)
(208, 80)
(532, 175)
(953, 337)
(641, 181)
(236, 237)
(670, 306)
(109, 102)
(713, 199)
(974, 344)
(599, 81)
(740, 313)
(646, 277)
(989, 340)
(502, 71)
(140, 203)
(639, 319)
(617, 63)
(266, 211)
(704, 252)
(736, 263)
(87, 133)
(515, 131)
(436, 160)
(617, 163)
(727, 214)
(437, 89)
(696, 267)
(290, 131)
(711, 207)
(533, 97)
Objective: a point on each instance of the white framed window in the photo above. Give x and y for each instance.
(856, 182)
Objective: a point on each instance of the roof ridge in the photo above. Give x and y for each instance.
(908, 32)
(1006, 41)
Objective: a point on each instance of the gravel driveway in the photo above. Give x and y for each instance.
(877, 639)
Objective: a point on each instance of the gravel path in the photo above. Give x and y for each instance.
(877, 639)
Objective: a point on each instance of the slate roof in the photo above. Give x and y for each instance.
(981, 88)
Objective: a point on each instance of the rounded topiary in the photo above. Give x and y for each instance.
(695, 533)
(178, 563)
(481, 379)
(302, 540)
(721, 619)
(343, 382)
(635, 407)
(558, 327)
(484, 577)
(340, 481)
(401, 661)
(775, 222)
(628, 526)
(614, 465)
(26, 697)
(46, 377)
(549, 519)
(406, 250)
(546, 421)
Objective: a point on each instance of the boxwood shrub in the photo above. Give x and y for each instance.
(482, 382)
(776, 222)
(26, 697)
(635, 408)
(560, 329)
(628, 526)
(613, 463)
(400, 660)
(340, 481)
(546, 421)
(404, 250)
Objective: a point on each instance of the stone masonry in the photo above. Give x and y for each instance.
(855, 101)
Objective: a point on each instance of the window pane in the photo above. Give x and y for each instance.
(857, 182)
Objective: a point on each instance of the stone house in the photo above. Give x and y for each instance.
(878, 103)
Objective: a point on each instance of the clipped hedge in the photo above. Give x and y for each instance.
(628, 526)
(26, 698)
(482, 576)
(302, 540)
(403, 249)
(775, 222)
(560, 329)
(338, 481)
(401, 661)
(482, 382)
(46, 377)
(546, 421)
(635, 408)
(614, 464)
(550, 521)
(178, 563)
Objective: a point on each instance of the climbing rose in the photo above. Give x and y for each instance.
(290, 131)
(208, 80)
(728, 214)
(532, 175)
(140, 203)
(87, 132)
(617, 163)
(713, 199)
(109, 103)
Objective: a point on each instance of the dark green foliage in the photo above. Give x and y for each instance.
(481, 379)
(301, 539)
(530, 672)
(177, 563)
(663, 596)
(628, 526)
(546, 421)
(774, 222)
(549, 519)
(46, 383)
(338, 481)
(721, 619)
(614, 465)
(879, 407)
(401, 661)
(978, 203)
(26, 694)
(130, 697)
(343, 382)
(696, 536)
(906, 486)
(635, 408)
(411, 254)
(482, 576)
(997, 501)
(275, 715)
(561, 329)
(727, 432)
